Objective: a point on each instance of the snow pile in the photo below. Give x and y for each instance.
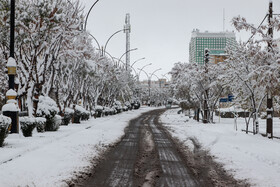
(246, 156)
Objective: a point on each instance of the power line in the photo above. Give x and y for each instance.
(257, 28)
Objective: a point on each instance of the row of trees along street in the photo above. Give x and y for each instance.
(55, 58)
(251, 73)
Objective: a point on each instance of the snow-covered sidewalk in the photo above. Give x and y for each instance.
(246, 156)
(54, 158)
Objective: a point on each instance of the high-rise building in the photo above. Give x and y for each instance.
(216, 43)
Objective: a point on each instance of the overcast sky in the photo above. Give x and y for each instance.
(161, 29)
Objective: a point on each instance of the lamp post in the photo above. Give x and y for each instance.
(113, 58)
(125, 65)
(10, 109)
(149, 79)
(122, 30)
(89, 13)
(142, 69)
(138, 61)
(159, 80)
(95, 41)
(164, 75)
(126, 53)
(101, 48)
(161, 96)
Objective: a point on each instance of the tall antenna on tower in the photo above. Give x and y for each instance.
(127, 30)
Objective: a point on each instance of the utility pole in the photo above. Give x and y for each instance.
(127, 30)
(206, 60)
(269, 118)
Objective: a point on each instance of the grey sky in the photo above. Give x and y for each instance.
(161, 29)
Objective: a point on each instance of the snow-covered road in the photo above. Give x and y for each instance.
(58, 158)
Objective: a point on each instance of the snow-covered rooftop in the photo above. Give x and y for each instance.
(197, 33)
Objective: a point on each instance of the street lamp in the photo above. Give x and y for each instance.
(112, 37)
(142, 69)
(138, 60)
(125, 54)
(10, 109)
(101, 48)
(149, 79)
(113, 58)
(89, 13)
(95, 41)
(159, 80)
(164, 75)
(125, 64)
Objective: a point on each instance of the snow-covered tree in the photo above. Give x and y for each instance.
(55, 57)
(242, 71)
(257, 64)
(196, 83)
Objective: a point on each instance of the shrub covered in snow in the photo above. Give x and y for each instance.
(98, 111)
(125, 108)
(80, 114)
(47, 108)
(85, 115)
(127, 105)
(118, 106)
(57, 122)
(67, 116)
(4, 126)
(27, 125)
(40, 124)
(107, 111)
(77, 114)
(135, 105)
(113, 111)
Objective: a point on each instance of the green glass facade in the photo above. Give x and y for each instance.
(215, 42)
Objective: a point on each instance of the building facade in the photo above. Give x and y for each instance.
(216, 43)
